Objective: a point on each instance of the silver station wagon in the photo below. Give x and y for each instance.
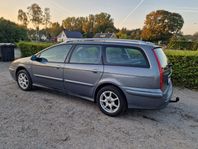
(116, 74)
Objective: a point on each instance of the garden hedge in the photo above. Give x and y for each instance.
(30, 48)
(185, 68)
(183, 45)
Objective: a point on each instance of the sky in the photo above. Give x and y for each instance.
(126, 13)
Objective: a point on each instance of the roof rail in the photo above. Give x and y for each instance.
(74, 40)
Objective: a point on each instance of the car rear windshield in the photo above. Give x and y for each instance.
(161, 57)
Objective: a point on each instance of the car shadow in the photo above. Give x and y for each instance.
(173, 112)
(63, 95)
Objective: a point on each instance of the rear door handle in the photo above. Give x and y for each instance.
(58, 67)
(95, 71)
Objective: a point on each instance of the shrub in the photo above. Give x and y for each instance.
(11, 32)
(30, 48)
(183, 45)
(185, 67)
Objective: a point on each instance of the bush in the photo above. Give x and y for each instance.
(11, 32)
(183, 45)
(30, 48)
(185, 68)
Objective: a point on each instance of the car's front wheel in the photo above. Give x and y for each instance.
(111, 101)
(23, 80)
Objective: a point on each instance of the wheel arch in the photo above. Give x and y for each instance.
(108, 84)
(20, 68)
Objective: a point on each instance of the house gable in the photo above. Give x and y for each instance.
(73, 34)
(64, 35)
(105, 35)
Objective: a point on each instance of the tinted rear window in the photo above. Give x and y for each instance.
(127, 56)
(86, 54)
(161, 57)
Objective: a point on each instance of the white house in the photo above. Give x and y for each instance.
(105, 35)
(65, 34)
(43, 37)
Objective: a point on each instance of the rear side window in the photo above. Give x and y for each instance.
(127, 56)
(161, 57)
(86, 54)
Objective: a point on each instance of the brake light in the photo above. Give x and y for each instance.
(160, 69)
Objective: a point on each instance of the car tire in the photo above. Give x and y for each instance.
(111, 101)
(24, 80)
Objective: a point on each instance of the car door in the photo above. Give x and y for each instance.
(50, 72)
(84, 70)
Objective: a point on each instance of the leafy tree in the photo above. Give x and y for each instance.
(54, 29)
(11, 32)
(123, 33)
(22, 17)
(46, 17)
(35, 14)
(195, 36)
(102, 22)
(88, 25)
(161, 25)
(136, 34)
(92, 24)
(74, 24)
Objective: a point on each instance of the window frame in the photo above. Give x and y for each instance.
(39, 53)
(73, 49)
(126, 65)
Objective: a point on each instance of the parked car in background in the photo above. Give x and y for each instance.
(116, 74)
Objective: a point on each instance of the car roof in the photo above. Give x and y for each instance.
(110, 41)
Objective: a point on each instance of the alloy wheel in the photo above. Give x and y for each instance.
(109, 101)
(23, 81)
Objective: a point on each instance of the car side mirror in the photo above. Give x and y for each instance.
(39, 59)
(34, 58)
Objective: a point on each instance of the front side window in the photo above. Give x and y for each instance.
(126, 56)
(56, 54)
(86, 54)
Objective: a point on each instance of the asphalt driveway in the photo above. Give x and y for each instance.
(43, 119)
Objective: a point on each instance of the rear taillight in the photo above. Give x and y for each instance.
(160, 70)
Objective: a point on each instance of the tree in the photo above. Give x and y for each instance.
(88, 25)
(102, 22)
(136, 34)
(22, 17)
(195, 36)
(161, 25)
(55, 29)
(124, 33)
(35, 14)
(11, 32)
(73, 23)
(92, 24)
(46, 17)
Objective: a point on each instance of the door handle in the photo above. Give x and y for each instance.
(58, 67)
(95, 71)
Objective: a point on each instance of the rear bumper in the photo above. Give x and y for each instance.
(148, 98)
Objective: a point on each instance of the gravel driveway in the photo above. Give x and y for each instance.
(43, 119)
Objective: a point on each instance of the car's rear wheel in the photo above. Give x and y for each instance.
(111, 101)
(23, 80)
